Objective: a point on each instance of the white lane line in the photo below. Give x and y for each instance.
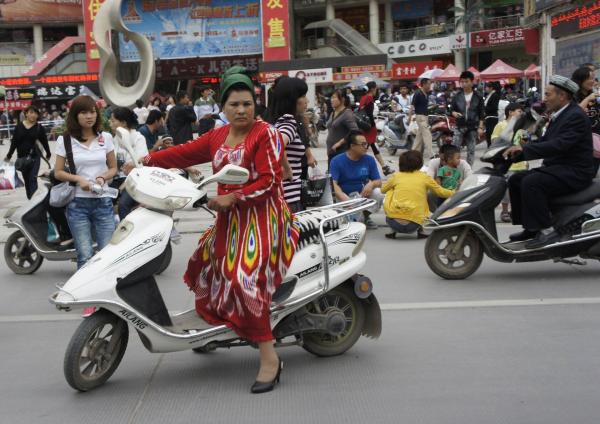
(489, 303)
(390, 307)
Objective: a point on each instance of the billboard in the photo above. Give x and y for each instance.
(187, 29)
(40, 11)
(276, 27)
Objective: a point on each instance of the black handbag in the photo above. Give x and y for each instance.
(23, 164)
(362, 120)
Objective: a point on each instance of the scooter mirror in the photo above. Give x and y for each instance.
(230, 174)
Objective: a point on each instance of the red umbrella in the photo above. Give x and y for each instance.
(533, 72)
(450, 74)
(475, 72)
(500, 70)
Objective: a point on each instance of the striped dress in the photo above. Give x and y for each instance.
(295, 151)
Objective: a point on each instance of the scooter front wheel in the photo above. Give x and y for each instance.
(339, 300)
(447, 259)
(20, 255)
(95, 350)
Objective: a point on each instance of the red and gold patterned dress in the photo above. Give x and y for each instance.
(241, 260)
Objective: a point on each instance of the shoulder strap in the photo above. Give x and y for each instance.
(69, 150)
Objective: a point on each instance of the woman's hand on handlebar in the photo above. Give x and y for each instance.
(512, 151)
(128, 167)
(222, 203)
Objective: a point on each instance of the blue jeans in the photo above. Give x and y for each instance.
(90, 219)
(409, 228)
(469, 138)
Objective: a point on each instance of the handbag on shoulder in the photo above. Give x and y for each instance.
(62, 194)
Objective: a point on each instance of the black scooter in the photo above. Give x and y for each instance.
(464, 226)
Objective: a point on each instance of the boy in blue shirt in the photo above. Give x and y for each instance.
(355, 174)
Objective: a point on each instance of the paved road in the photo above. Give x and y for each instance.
(516, 343)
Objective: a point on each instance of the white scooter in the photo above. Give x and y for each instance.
(323, 304)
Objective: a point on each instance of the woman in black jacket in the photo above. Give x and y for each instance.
(24, 139)
(491, 109)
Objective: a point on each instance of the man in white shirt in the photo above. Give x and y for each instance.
(141, 112)
(205, 107)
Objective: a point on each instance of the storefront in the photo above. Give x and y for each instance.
(577, 35)
(518, 47)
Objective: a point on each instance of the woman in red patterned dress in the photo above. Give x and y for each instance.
(241, 260)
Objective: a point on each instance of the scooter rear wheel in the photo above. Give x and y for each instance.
(95, 350)
(340, 299)
(445, 262)
(20, 255)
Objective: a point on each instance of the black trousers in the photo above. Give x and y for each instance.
(530, 195)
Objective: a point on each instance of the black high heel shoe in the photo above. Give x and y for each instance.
(259, 387)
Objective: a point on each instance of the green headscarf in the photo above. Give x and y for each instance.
(234, 75)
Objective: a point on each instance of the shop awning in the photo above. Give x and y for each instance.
(51, 55)
(450, 74)
(533, 72)
(500, 70)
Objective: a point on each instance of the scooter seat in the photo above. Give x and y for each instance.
(581, 197)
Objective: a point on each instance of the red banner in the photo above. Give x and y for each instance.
(276, 30)
(412, 70)
(270, 77)
(90, 9)
(49, 79)
(497, 37)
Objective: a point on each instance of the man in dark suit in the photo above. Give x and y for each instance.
(568, 166)
(491, 103)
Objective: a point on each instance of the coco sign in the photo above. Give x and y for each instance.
(426, 47)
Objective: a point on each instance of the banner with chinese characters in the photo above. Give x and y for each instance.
(202, 67)
(21, 91)
(412, 70)
(92, 56)
(577, 19)
(276, 30)
(501, 36)
(189, 29)
(316, 76)
(340, 77)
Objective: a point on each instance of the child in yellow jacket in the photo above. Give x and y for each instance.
(405, 203)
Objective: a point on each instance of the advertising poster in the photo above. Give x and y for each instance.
(179, 30)
(40, 10)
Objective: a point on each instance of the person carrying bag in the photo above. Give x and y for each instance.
(61, 194)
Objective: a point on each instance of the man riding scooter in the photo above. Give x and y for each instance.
(568, 166)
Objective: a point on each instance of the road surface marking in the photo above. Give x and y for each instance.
(386, 307)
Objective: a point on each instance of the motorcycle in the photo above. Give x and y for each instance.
(442, 129)
(323, 305)
(464, 227)
(397, 134)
